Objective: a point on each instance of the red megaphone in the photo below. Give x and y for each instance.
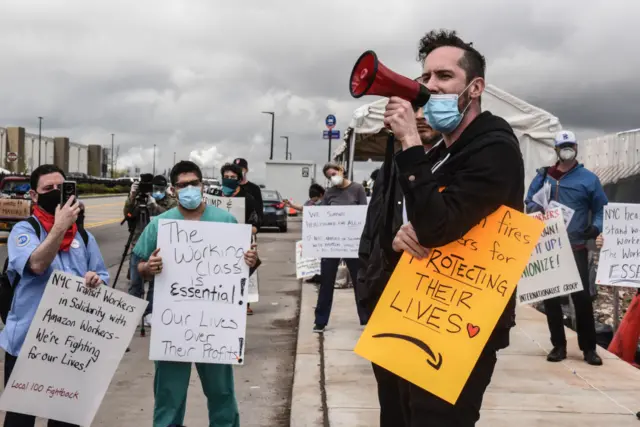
(371, 77)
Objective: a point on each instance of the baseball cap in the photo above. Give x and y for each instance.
(241, 162)
(565, 137)
(159, 181)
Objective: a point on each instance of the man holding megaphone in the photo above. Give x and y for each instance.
(477, 168)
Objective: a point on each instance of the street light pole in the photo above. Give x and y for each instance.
(174, 158)
(273, 119)
(39, 141)
(112, 153)
(286, 150)
(154, 159)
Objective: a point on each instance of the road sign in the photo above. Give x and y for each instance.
(330, 121)
(335, 134)
(11, 156)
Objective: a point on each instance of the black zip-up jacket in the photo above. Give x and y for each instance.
(481, 171)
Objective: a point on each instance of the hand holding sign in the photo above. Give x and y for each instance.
(92, 280)
(154, 265)
(406, 240)
(251, 257)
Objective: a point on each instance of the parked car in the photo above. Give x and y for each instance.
(275, 213)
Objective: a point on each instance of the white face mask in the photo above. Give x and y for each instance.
(337, 180)
(567, 154)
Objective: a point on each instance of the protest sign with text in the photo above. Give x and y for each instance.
(200, 297)
(305, 267)
(72, 350)
(254, 288)
(619, 263)
(436, 314)
(332, 231)
(233, 205)
(552, 269)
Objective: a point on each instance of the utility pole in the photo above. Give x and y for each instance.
(174, 158)
(273, 119)
(39, 141)
(113, 152)
(286, 150)
(154, 159)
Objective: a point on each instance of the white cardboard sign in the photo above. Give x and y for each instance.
(254, 288)
(234, 205)
(305, 267)
(200, 298)
(619, 263)
(72, 350)
(332, 231)
(552, 269)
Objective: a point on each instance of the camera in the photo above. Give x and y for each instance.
(145, 187)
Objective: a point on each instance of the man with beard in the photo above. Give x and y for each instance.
(378, 260)
(476, 169)
(579, 189)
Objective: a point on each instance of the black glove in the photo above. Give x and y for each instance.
(591, 232)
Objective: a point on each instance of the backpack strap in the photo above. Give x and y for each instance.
(85, 236)
(35, 224)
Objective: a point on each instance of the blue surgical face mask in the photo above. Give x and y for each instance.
(190, 198)
(442, 112)
(229, 185)
(158, 195)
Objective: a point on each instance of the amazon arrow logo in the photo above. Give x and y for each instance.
(436, 364)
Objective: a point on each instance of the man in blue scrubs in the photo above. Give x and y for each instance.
(60, 247)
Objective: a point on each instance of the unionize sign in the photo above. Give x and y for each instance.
(72, 350)
(200, 298)
(436, 314)
(552, 269)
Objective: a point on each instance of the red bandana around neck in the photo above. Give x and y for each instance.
(47, 220)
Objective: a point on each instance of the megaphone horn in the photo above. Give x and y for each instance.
(370, 77)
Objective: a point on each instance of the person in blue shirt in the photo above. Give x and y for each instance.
(172, 378)
(59, 247)
(580, 190)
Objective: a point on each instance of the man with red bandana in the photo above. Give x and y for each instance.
(57, 244)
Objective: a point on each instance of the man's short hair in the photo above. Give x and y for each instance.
(159, 181)
(472, 62)
(229, 167)
(331, 166)
(316, 190)
(43, 170)
(184, 166)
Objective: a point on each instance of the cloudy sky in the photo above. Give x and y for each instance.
(192, 76)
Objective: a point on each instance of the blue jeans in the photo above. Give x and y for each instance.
(328, 272)
(136, 284)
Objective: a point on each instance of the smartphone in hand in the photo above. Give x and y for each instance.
(68, 190)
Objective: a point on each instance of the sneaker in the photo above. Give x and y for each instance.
(147, 320)
(318, 329)
(558, 354)
(592, 358)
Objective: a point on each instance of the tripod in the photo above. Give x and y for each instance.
(138, 216)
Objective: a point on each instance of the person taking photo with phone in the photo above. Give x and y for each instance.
(47, 241)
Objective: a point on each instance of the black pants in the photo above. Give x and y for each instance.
(583, 305)
(420, 408)
(13, 419)
(328, 272)
(393, 404)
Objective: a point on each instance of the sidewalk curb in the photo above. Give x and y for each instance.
(306, 399)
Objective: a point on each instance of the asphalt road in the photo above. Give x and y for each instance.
(263, 384)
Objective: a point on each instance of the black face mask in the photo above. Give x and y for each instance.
(49, 201)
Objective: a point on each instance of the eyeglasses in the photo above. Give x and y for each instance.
(181, 185)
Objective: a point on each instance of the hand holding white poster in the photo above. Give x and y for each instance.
(72, 350)
(332, 231)
(619, 263)
(552, 269)
(200, 297)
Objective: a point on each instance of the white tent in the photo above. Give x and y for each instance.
(535, 129)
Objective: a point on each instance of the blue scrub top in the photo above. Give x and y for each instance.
(21, 243)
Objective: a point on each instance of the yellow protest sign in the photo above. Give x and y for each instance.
(436, 314)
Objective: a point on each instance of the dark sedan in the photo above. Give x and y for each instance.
(275, 213)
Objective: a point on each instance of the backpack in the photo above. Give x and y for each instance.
(7, 287)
